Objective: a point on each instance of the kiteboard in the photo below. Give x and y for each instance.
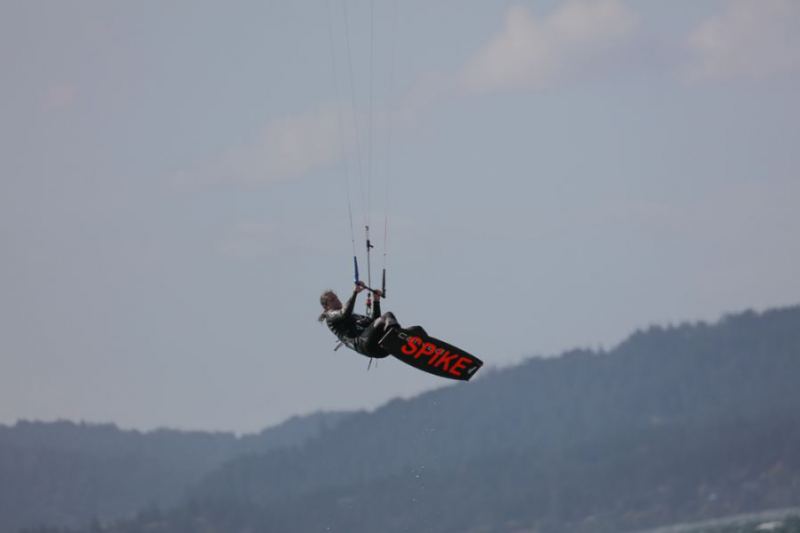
(415, 347)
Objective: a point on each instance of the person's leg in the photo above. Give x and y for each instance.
(386, 321)
(368, 341)
(391, 321)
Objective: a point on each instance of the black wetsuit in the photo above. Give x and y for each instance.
(355, 331)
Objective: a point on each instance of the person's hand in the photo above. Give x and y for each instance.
(377, 293)
(359, 286)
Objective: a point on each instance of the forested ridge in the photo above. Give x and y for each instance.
(66, 473)
(676, 424)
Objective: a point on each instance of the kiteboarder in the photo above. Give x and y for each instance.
(357, 332)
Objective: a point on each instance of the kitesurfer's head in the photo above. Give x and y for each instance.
(329, 302)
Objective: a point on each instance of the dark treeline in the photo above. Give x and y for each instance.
(66, 473)
(676, 424)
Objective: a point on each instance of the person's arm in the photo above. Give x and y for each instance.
(351, 303)
(376, 305)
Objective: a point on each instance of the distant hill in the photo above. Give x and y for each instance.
(66, 473)
(676, 424)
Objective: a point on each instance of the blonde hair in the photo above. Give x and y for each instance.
(323, 300)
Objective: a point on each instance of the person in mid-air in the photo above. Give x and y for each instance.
(357, 332)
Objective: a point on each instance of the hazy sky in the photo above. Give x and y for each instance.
(173, 189)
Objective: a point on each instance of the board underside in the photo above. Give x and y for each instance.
(415, 347)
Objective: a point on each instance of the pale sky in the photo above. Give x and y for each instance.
(173, 190)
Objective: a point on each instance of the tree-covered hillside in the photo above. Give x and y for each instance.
(66, 473)
(676, 424)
